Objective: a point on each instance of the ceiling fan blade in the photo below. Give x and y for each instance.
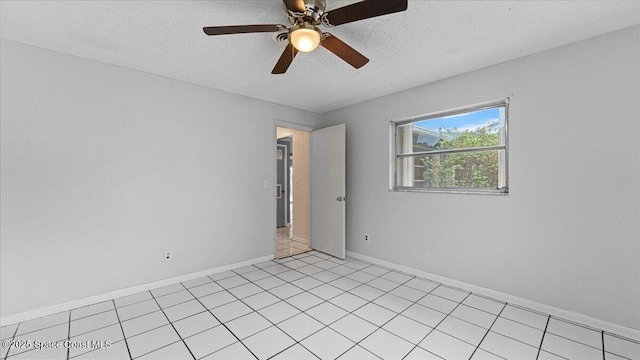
(364, 10)
(285, 60)
(344, 51)
(295, 5)
(242, 29)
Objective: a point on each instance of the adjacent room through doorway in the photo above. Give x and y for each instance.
(292, 192)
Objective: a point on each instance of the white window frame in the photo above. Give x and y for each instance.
(408, 155)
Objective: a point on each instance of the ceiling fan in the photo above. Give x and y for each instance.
(305, 16)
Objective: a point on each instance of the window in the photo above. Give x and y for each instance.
(462, 150)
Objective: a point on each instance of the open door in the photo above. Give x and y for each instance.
(328, 190)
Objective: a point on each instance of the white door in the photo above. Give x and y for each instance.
(328, 187)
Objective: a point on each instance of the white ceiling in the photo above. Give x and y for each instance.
(430, 41)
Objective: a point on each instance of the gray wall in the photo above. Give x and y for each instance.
(104, 168)
(568, 234)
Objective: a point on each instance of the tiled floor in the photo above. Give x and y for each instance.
(312, 306)
(287, 245)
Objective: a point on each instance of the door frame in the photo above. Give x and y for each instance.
(274, 173)
(285, 188)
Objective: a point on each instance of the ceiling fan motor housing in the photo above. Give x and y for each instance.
(313, 13)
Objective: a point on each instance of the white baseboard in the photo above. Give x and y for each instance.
(513, 300)
(49, 310)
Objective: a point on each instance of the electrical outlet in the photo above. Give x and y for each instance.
(366, 237)
(168, 255)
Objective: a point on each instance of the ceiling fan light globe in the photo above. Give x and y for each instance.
(305, 39)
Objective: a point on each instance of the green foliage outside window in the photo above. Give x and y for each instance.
(471, 169)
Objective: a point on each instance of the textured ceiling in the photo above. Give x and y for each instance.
(430, 41)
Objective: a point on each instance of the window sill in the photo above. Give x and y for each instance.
(499, 192)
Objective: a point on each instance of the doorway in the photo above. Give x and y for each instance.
(284, 195)
(292, 192)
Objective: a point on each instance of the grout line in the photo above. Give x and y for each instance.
(575, 341)
(527, 309)
(166, 294)
(40, 329)
(159, 326)
(433, 328)
(543, 334)
(69, 334)
(518, 322)
(92, 330)
(539, 347)
(161, 347)
(488, 330)
(124, 336)
(133, 303)
(32, 348)
(576, 324)
(15, 332)
(96, 313)
(218, 320)
(141, 315)
(602, 336)
(174, 328)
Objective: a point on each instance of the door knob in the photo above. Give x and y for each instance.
(339, 198)
(342, 198)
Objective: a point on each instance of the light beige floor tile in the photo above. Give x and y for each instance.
(152, 340)
(520, 332)
(132, 299)
(353, 327)
(177, 350)
(569, 349)
(210, 341)
(93, 322)
(235, 351)
(575, 332)
(507, 347)
(462, 330)
(620, 346)
(43, 322)
(317, 344)
(91, 309)
(407, 329)
(195, 324)
(144, 323)
(358, 353)
(295, 352)
(268, 342)
(474, 316)
(110, 334)
(446, 346)
(247, 325)
(300, 326)
(525, 317)
(115, 351)
(485, 304)
(137, 309)
(386, 345)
